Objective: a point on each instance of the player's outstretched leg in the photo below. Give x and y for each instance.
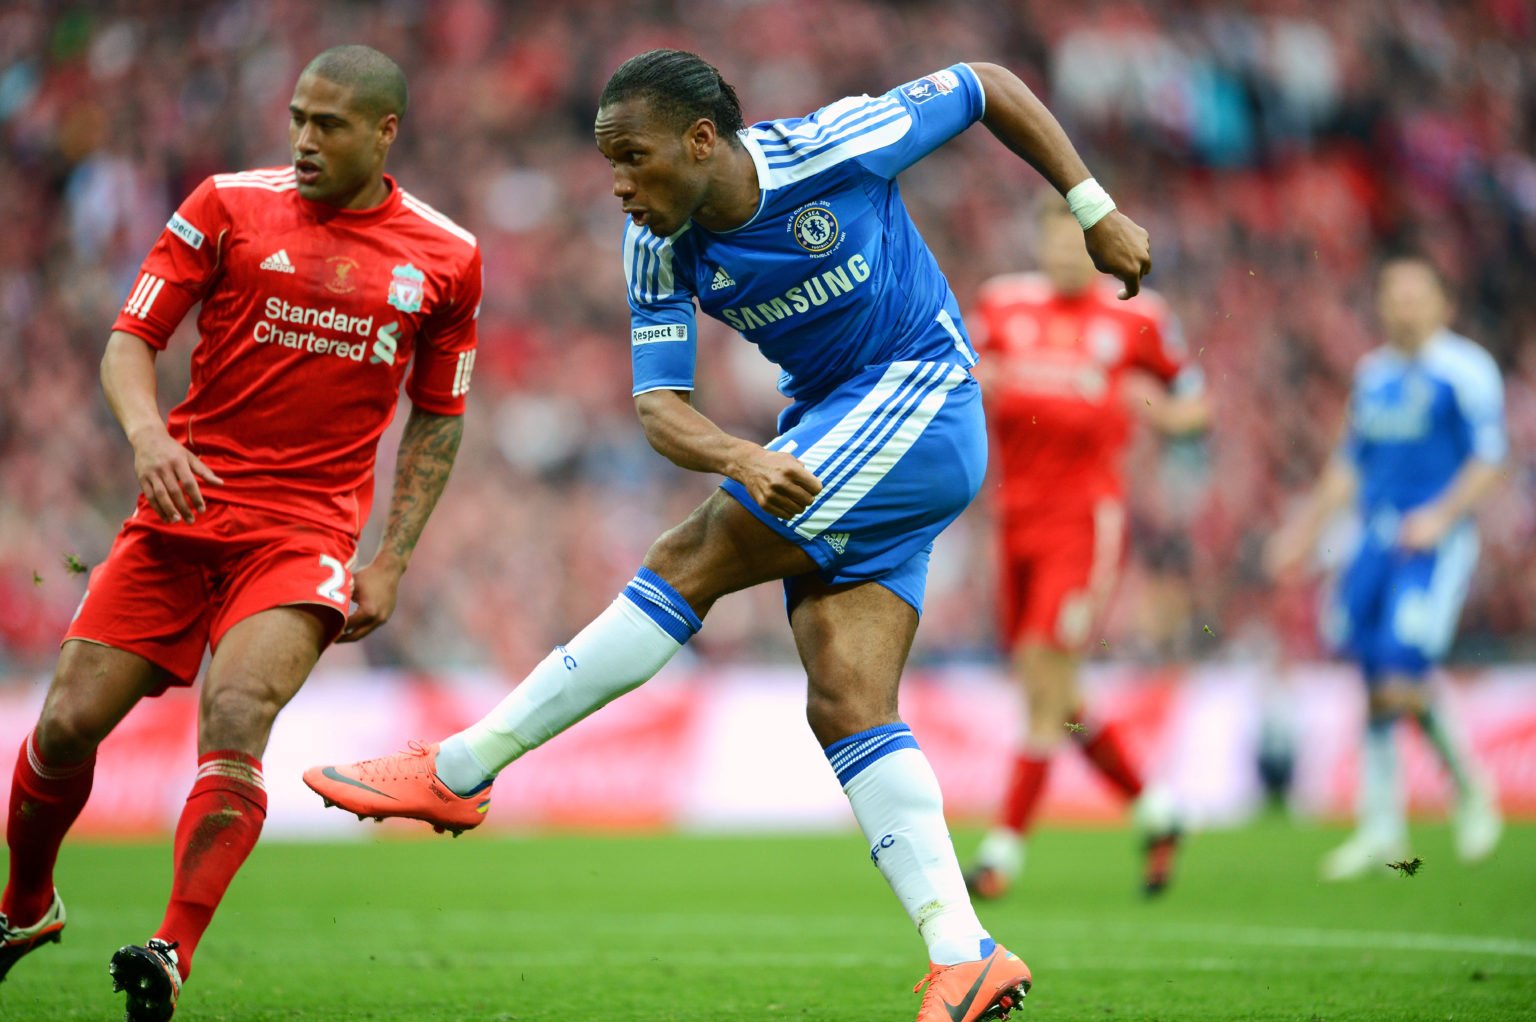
(150, 974)
(45, 800)
(1476, 821)
(1158, 821)
(1382, 834)
(449, 785)
(1048, 677)
(16, 941)
(1152, 808)
(1000, 858)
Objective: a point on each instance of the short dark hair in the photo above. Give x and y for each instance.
(682, 87)
(377, 83)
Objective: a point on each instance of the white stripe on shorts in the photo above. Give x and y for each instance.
(884, 426)
(1438, 610)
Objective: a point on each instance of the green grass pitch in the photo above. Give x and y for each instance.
(646, 928)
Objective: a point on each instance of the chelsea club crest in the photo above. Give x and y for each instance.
(815, 229)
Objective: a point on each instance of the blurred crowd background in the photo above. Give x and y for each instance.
(1275, 153)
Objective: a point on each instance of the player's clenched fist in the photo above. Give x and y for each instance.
(1120, 248)
(780, 483)
(168, 475)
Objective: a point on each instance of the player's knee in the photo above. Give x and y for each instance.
(1396, 699)
(238, 716)
(676, 557)
(68, 731)
(1049, 707)
(674, 548)
(1043, 700)
(836, 715)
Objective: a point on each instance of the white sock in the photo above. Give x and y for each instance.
(1003, 850)
(896, 799)
(624, 647)
(1383, 815)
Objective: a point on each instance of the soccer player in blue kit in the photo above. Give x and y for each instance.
(794, 233)
(1424, 443)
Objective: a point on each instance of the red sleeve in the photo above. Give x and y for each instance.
(445, 356)
(1158, 346)
(179, 268)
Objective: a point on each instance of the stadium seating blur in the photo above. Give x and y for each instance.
(1275, 155)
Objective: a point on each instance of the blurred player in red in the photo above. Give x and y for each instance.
(319, 283)
(1066, 366)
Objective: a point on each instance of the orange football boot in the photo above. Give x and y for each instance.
(404, 785)
(983, 991)
(987, 883)
(1160, 849)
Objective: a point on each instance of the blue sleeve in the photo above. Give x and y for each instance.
(663, 331)
(939, 106)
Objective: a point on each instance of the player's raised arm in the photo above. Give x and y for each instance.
(167, 471)
(1021, 122)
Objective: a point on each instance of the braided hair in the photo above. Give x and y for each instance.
(681, 87)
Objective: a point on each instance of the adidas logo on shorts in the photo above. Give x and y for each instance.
(838, 541)
(278, 261)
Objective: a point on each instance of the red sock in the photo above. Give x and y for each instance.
(1105, 749)
(46, 798)
(1024, 790)
(218, 828)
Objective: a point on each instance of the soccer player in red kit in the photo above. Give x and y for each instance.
(323, 286)
(1066, 366)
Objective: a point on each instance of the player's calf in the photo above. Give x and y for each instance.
(1158, 820)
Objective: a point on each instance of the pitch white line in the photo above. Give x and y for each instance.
(714, 959)
(1039, 932)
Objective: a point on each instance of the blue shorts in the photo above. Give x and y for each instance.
(900, 451)
(1395, 610)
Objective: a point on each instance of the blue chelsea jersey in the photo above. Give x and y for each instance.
(1414, 422)
(830, 275)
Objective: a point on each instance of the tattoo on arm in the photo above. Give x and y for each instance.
(427, 450)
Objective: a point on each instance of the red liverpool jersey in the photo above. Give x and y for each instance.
(1055, 367)
(310, 317)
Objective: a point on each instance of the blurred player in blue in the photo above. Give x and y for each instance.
(794, 233)
(1423, 445)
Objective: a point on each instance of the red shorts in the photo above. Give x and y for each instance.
(167, 592)
(1056, 577)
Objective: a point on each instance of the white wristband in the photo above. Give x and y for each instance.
(1089, 202)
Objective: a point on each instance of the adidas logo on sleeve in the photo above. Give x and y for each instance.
(277, 261)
